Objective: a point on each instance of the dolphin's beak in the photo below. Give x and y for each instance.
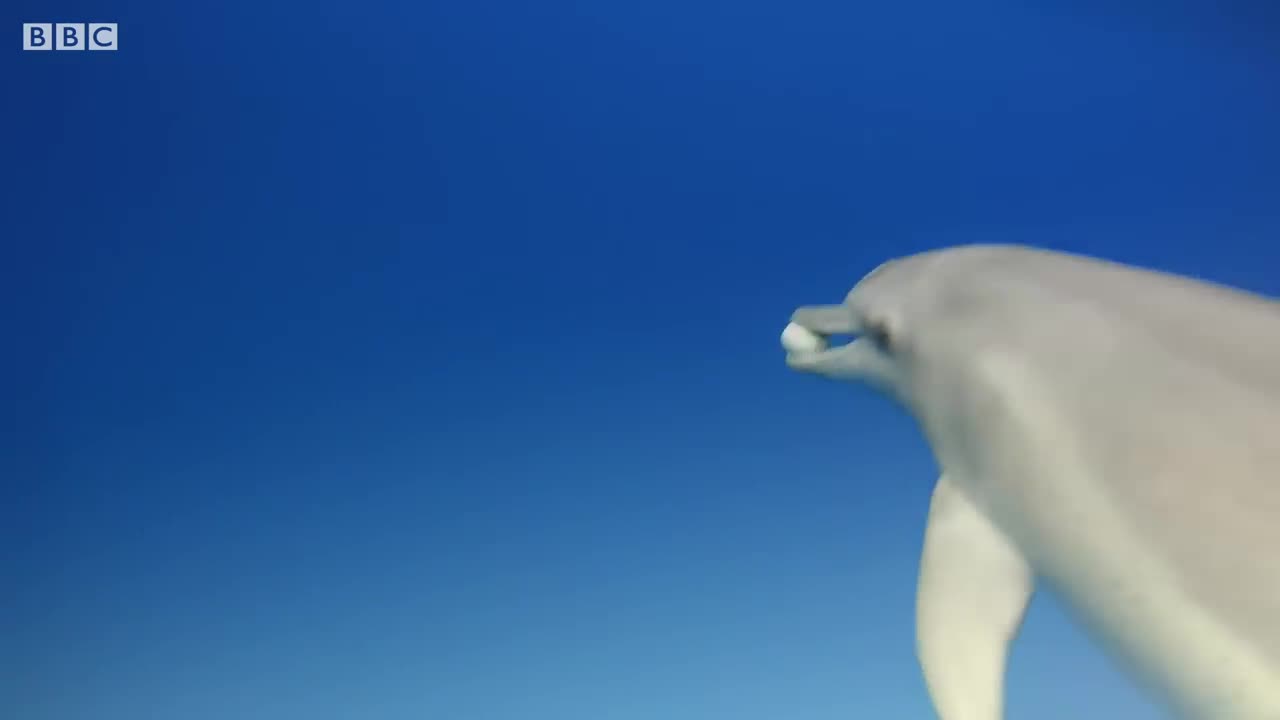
(841, 361)
(827, 320)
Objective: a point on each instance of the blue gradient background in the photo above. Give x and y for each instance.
(419, 360)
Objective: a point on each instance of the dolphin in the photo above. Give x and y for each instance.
(1109, 432)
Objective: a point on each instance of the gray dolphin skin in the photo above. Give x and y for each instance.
(1110, 432)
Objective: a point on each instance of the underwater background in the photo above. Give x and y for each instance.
(395, 360)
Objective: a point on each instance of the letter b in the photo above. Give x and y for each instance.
(70, 36)
(36, 36)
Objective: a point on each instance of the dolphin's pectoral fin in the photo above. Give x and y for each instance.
(973, 590)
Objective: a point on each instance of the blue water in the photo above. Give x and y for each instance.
(397, 360)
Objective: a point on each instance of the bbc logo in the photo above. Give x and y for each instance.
(69, 36)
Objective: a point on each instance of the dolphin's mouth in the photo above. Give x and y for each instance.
(838, 342)
(839, 326)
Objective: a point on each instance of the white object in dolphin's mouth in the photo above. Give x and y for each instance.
(800, 339)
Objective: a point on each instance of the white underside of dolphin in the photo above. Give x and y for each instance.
(1110, 431)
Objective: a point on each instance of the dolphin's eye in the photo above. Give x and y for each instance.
(878, 332)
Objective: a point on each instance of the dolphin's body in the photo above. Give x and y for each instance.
(1111, 431)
